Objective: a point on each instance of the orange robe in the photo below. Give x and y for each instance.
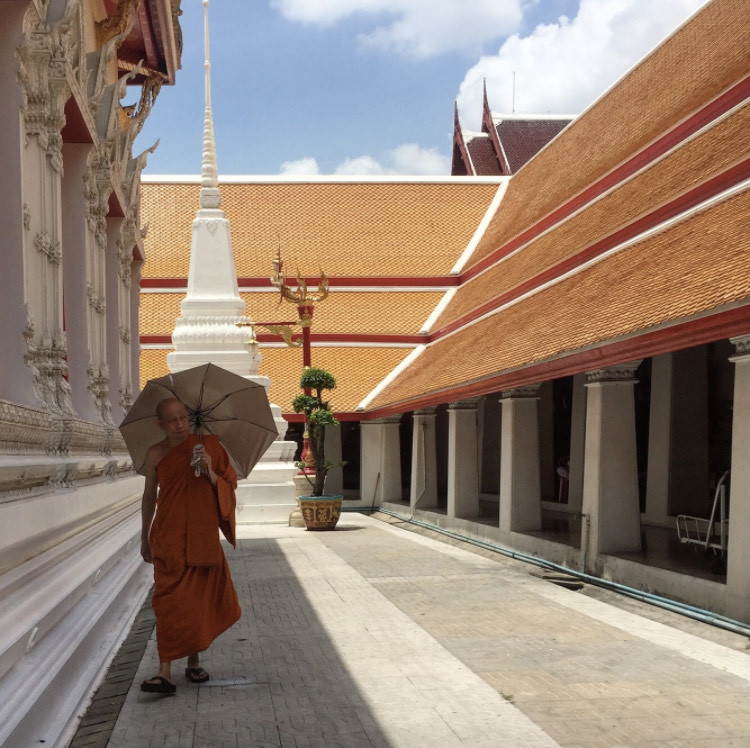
(194, 599)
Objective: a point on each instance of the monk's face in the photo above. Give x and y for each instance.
(174, 421)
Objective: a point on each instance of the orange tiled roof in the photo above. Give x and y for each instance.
(697, 265)
(357, 371)
(362, 312)
(697, 161)
(347, 228)
(692, 67)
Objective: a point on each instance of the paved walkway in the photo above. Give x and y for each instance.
(377, 636)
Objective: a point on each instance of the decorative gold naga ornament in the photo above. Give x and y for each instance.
(116, 23)
(301, 296)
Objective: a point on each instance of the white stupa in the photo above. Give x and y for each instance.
(207, 330)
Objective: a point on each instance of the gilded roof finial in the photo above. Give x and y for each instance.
(210, 197)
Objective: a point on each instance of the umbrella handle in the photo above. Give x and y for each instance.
(197, 449)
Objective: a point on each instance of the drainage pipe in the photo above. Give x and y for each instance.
(691, 611)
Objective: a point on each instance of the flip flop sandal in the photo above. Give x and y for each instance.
(196, 674)
(162, 685)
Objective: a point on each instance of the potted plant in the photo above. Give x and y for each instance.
(319, 512)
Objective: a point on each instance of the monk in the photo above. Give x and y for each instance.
(194, 600)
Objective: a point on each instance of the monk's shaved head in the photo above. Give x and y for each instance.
(167, 405)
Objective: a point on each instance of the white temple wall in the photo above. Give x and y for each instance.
(70, 573)
(76, 243)
(117, 320)
(135, 300)
(16, 382)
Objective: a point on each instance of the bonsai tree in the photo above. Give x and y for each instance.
(318, 417)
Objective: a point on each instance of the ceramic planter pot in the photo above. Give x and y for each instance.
(320, 512)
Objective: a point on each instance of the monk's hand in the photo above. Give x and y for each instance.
(146, 551)
(205, 464)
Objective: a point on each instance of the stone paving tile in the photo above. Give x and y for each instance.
(380, 637)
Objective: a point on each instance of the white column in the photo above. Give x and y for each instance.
(463, 460)
(520, 486)
(738, 556)
(423, 493)
(136, 268)
(45, 89)
(335, 477)
(659, 436)
(678, 481)
(77, 241)
(577, 441)
(547, 456)
(380, 463)
(610, 482)
(17, 381)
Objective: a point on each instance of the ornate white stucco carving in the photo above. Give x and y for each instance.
(97, 303)
(47, 361)
(617, 373)
(468, 404)
(126, 398)
(99, 388)
(48, 56)
(50, 249)
(517, 393)
(741, 347)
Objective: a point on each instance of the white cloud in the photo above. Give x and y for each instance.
(302, 166)
(421, 28)
(562, 68)
(409, 159)
(360, 166)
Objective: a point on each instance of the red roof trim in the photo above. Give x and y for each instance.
(299, 417)
(713, 110)
(699, 194)
(488, 126)
(458, 142)
(694, 332)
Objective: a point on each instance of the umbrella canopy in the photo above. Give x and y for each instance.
(217, 401)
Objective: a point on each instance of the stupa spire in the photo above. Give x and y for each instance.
(210, 197)
(207, 329)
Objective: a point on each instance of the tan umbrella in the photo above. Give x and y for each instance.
(218, 402)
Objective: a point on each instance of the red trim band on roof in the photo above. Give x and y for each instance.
(713, 110)
(299, 417)
(709, 329)
(715, 186)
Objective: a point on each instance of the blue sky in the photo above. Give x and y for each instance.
(368, 86)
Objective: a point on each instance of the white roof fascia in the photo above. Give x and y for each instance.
(653, 231)
(438, 310)
(483, 224)
(320, 179)
(410, 359)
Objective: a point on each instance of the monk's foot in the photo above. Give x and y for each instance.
(158, 684)
(196, 674)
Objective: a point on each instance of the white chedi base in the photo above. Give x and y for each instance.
(267, 494)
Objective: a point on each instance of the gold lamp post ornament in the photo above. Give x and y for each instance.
(301, 296)
(305, 301)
